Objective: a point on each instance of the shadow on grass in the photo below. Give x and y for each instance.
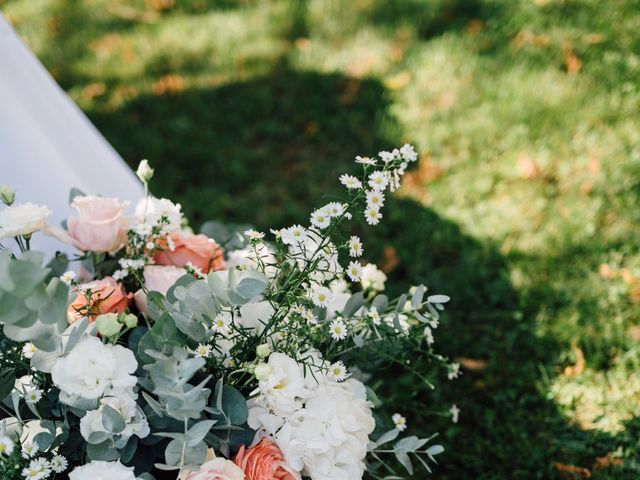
(267, 151)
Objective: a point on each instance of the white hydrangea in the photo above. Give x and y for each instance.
(283, 388)
(123, 402)
(99, 470)
(150, 210)
(22, 219)
(93, 369)
(327, 438)
(372, 277)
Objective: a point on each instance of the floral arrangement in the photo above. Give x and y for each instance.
(168, 354)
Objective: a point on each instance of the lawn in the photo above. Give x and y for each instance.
(523, 208)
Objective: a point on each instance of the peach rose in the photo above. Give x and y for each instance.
(100, 226)
(157, 278)
(264, 461)
(107, 296)
(215, 469)
(200, 250)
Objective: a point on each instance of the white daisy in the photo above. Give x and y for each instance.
(28, 350)
(455, 413)
(6, 445)
(221, 323)
(365, 160)
(408, 153)
(203, 351)
(58, 464)
(378, 180)
(320, 219)
(308, 315)
(68, 277)
(38, 469)
(338, 372)
(350, 181)
(375, 199)
(354, 271)
(29, 449)
(375, 316)
(338, 329)
(33, 395)
(252, 234)
(399, 421)
(294, 235)
(372, 216)
(355, 247)
(321, 296)
(335, 209)
(387, 156)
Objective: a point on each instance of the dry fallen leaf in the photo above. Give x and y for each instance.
(571, 62)
(571, 472)
(168, 84)
(634, 333)
(302, 43)
(311, 128)
(474, 27)
(351, 91)
(528, 38)
(606, 272)
(398, 81)
(390, 259)
(594, 38)
(93, 90)
(578, 367)
(528, 167)
(605, 462)
(472, 364)
(160, 5)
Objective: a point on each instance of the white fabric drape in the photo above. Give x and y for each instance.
(47, 145)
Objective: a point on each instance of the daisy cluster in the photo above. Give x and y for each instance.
(171, 350)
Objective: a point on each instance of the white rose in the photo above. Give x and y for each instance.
(150, 210)
(98, 470)
(372, 277)
(93, 368)
(22, 219)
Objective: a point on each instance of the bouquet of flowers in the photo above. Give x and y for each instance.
(168, 354)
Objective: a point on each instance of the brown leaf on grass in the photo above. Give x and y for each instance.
(105, 44)
(528, 167)
(351, 90)
(634, 294)
(160, 5)
(311, 128)
(474, 27)
(398, 81)
(390, 259)
(93, 90)
(634, 333)
(627, 276)
(594, 166)
(525, 37)
(578, 367)
(303, 44)
(606, 272)
(594, 38)
(606, 462)
(571, 61)
(168, 85)
(586, 187)
(472, 364)
(571, 472)
(414, 182)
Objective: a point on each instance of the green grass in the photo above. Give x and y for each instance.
(526, 116)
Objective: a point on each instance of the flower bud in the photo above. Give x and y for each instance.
(130, 320)
(262, 371)
(108, 324)
(7, 196)
(144, 171)
(263, 351)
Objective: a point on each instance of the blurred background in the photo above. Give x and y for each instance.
(523, 206)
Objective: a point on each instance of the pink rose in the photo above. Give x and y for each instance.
(157, 278)
(100, 226)
(107, 296)
(199, 250)
(265, 461)
(215, 469)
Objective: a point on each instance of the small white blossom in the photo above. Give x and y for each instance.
(58, 464)
(455, 413)
(338, 329)
(373, 277)
(68, 277)
(454, 371)
(221, 323)
(29, 449)
(294, 235)
(320, 219)
(144, 171)
(194, 270)
(399, 421)
(408, 153)
(32, 395)
(378, 180)
(338, 372)
(375, 199)
(335, 209)
(203, 351)
(372, 216)
(428, 335)
(38, 469)
(350, 181)
(308, 315)
(387, 156)
(6, 445)
(150, 246)
(252, 234)
(375, 316)
(354, 271)
(119, 275)
(355, 247)
(365, 160)
(28, 350)
(321, 296)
